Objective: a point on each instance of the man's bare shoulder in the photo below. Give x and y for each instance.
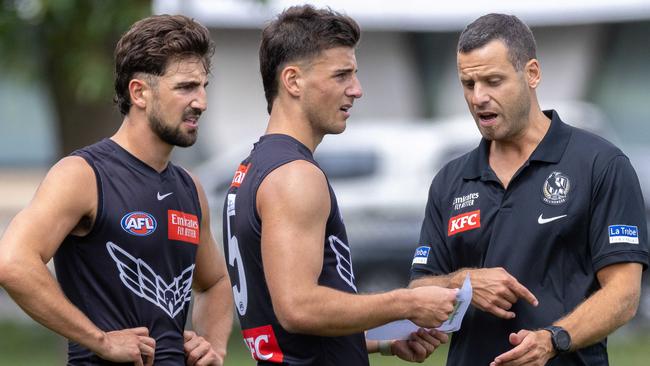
(299, 185)
(70, 172)
(70, 184)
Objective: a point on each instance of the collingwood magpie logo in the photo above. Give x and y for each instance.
(138, 277)
(556, 188)
(343, 260)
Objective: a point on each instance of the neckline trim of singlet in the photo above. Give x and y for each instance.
(134, 159)
(281, 136)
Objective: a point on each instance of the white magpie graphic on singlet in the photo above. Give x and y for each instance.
(138, 277)
(343, 260)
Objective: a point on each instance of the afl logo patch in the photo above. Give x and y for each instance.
(556, 188)
(139, 223)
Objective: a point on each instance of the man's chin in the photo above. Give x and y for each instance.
(184, 141)
(339, 128)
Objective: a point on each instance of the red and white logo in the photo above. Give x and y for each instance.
(463, 222)
(183, 226)
(240, 174)
(263, 344)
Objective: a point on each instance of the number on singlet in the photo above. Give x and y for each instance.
(240, 293)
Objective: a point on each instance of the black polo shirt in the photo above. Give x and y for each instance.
(573, 208)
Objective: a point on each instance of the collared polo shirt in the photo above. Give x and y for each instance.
(573, 208)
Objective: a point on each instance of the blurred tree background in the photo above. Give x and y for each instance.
(68, 45)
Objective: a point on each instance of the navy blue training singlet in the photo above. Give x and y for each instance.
(268, 342)
(134, 268)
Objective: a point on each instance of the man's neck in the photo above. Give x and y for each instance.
(136, 137)
(507, 156)
(292, 122)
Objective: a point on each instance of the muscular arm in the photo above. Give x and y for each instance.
(603, 312)
(294, 204)
(67, 195)
(608, 308)
(212, 314)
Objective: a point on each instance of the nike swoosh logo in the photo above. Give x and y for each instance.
(542, 221)
(162, 197)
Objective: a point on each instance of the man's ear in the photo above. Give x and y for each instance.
(139, 91)
(533, 73)
(291, 80)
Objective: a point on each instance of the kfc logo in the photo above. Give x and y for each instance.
(464, 222)
(263, 344)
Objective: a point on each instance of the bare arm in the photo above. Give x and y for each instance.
(494, 290)
(212, 314)
(603, 312)
(67, 195)
(294, 204)
(608, 308)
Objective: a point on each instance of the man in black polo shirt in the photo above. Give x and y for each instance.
(541, 212)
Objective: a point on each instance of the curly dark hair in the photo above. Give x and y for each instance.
(151, 43)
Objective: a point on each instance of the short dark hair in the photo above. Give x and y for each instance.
(509, 29)
(151, 43)
(301, 32)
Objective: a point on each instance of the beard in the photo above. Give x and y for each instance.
(170, 135)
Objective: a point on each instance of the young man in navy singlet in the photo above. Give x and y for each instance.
(129, 231)
(286, 245)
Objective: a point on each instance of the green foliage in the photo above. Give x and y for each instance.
(69, 42)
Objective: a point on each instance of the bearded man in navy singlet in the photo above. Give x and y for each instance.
(129, 231)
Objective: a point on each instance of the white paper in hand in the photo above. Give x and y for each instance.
(401, 329)
(463, 299)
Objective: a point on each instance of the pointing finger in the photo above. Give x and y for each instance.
(521, 291)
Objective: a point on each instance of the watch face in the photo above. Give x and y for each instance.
(562, 340)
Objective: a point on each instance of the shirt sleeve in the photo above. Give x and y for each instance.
(432, 256)
(618, 228)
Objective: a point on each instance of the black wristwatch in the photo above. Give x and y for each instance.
(560, 338)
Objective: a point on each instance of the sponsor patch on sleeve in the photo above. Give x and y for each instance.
(623, 234)
(421, 255)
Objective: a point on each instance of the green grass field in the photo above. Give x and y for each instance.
(32, 345)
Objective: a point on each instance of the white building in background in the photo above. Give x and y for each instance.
(407, 58)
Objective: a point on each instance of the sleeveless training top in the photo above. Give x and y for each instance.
(134, 269)
(268, 342)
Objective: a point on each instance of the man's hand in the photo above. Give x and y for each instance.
(531, 348)
(199, 352)
(419, 346)
(432, 305)
(129, 345)
(495, 290)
